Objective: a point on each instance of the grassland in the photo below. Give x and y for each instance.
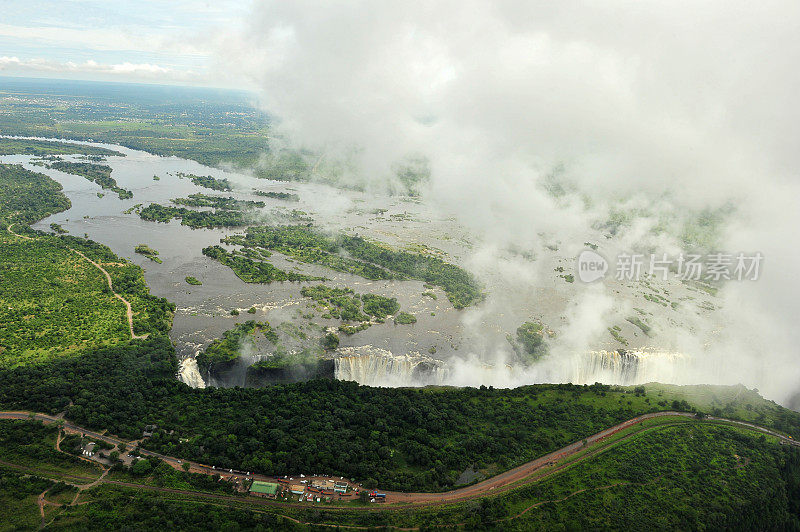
(196, 124)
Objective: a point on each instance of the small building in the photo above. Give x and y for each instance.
(323, 484)
(149, 430)
(88, 449)
(297, 489)
(264, 489)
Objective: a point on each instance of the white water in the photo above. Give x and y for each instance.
(190, 373)
(377, 367)
(373, 366)
(629, 367)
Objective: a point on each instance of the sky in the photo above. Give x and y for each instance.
(147, 41)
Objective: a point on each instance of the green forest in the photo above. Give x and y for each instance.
(42, 148)
(194, 219)
(217, 202)
(97, 173)
(54, 303)
(254, 271)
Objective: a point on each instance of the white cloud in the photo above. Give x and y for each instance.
(637, 99)
(119, 39)
(15, 65)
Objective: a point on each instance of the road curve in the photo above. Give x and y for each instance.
(497, 484)
(128, 309)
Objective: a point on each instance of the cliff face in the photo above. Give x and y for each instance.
(260, 376)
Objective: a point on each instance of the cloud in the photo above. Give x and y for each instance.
(149, 71)
(676, 107)
(120, 39)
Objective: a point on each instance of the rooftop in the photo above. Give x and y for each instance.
(264, 487)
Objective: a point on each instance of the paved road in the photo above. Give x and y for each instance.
(499, 483)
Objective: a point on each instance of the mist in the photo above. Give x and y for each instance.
(674, 108)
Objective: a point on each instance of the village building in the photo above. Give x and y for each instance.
(264, 489)
(323, 484)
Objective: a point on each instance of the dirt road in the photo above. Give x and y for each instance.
(128, 308)
(529, 472)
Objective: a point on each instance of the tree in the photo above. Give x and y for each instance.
(141, 467)
(330, 341)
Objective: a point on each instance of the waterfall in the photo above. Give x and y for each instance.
(373, 366)
(629, 367)
(190, 373)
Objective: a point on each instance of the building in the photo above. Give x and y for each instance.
(297, 489)
(88, 449)
(323, 484)
(264, 489)
(340, 487)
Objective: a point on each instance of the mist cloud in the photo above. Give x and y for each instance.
(679, 106)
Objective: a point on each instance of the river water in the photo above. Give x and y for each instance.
(467, 341)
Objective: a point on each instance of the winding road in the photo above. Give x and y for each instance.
(128, 308)
(529, 472)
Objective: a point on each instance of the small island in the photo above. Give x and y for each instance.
(193, 281)
(147, 251)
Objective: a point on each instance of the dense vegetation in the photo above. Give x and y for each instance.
(194, 219)
(225, 350)
(32, 444)
(344, 304)
(193, 280)
(686, 477)
(361, 257)
(147, 251)
(681, 477)
(218, 202)
(404, 318)
(203, 125)
(97, 173)
(397, 438)
(208, 181)
(52, 301)
(26, 197)
(286, 196)
(254, 271)
(530, 340)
